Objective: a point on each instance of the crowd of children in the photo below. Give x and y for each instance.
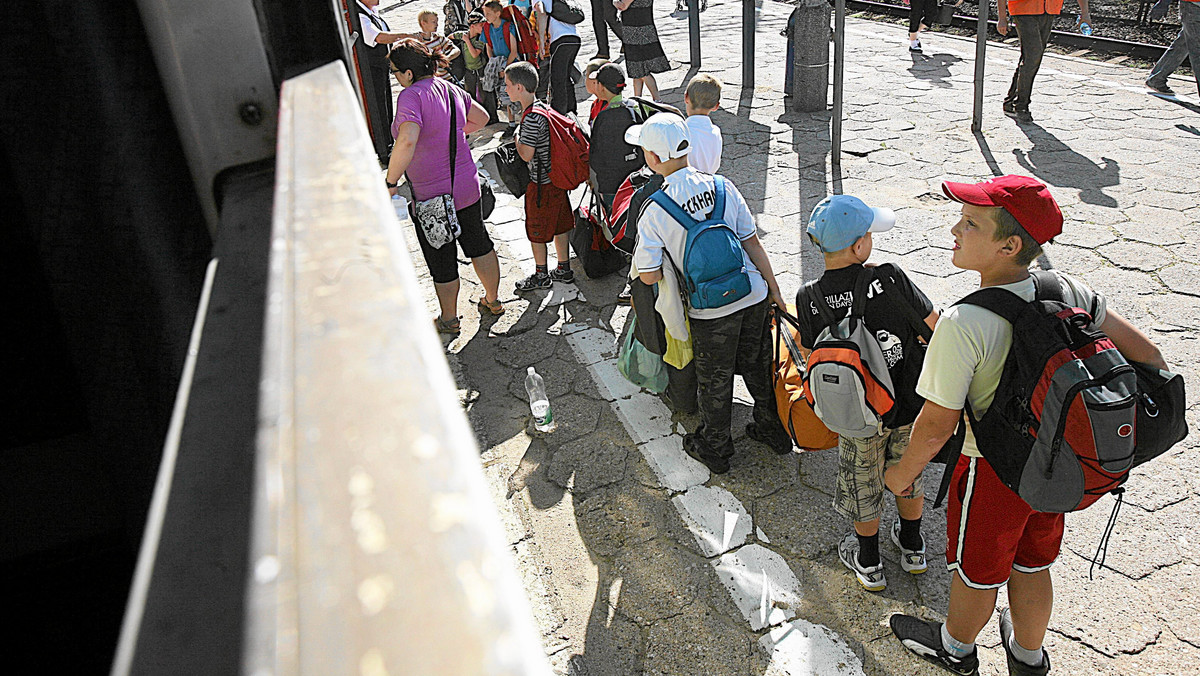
(939, 364)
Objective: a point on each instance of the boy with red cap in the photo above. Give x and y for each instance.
(994, 537)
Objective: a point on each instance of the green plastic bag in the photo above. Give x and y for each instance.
(641, 366)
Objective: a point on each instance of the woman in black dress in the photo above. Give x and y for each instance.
(644, 54)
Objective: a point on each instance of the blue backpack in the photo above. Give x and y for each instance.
(714, 264)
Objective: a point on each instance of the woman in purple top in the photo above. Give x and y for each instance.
(422, 131)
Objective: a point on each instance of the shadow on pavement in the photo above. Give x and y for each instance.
(933, 67)
(1056, 163)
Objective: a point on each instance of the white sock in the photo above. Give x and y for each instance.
(956, 648)
(1031, 657)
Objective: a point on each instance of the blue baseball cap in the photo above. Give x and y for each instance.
(839, 220)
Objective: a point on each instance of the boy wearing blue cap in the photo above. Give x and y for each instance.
(842, 226)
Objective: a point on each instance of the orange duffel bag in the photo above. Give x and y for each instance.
(787, 377)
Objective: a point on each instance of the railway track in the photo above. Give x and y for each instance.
(1075, 41)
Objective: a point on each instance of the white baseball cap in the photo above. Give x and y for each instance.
(664, 134)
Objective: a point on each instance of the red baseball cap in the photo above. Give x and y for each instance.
(1027, 199)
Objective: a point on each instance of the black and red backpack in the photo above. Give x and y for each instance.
(1062, 429)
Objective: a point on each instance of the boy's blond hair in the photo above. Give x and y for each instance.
(426, 14)
(593, 66)
(1007, 226)
(704, 92)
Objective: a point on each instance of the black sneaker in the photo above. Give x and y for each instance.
(779, 443)
(915, 47)
(538, 280)
(715, 463)
(1164, 88)
(1015, 666)
(924, 639)
(564, 275)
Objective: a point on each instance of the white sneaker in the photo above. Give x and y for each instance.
(872, 578)
(911, 560)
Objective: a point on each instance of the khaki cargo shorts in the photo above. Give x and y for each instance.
(861, 463)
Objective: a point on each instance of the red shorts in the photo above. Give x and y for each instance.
(991, 531)
(548, 217)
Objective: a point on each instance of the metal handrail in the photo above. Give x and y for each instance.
(375, 546)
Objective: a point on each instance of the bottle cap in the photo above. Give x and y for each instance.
(529, 370)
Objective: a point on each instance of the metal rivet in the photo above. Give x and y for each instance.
(251, 113)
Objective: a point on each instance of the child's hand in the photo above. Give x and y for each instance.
(897, 484)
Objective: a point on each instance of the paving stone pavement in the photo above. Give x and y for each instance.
(619, 573)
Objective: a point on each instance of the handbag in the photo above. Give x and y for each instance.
(641, 366)
(436, 216)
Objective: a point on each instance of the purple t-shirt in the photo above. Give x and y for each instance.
(427, 103)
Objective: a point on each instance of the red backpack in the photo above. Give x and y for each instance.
(568, 149)
(527, 42)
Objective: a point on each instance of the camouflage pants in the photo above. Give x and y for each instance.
(738, 344)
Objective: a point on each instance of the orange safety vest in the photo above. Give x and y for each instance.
(1026, 7)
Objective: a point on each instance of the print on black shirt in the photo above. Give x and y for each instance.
(896, 335)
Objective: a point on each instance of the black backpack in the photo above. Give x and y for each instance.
(513, 171)
(567, 11)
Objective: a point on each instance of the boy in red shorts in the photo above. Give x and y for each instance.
(994, 537)
(548, 214)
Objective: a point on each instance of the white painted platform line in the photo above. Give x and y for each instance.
(759, 581)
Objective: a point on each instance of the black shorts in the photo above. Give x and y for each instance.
(474, 242)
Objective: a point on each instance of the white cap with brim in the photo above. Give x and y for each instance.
(664, 134)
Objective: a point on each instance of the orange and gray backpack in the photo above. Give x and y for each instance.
(847, 379)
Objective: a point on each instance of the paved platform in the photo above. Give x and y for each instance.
(639, 562)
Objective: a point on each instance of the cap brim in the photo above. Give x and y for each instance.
(885, 219)
(967, 193)
(633, 135)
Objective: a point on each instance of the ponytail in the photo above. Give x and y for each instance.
(415, 56)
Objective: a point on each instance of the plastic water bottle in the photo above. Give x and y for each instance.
(400, 204)
(1085, 28)
(539, 403)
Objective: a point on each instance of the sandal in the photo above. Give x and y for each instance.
(450, 328)
(495, 307)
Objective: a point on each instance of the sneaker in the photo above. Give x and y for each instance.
(924, 639)
(780, 443)
(715, 463)
(915, 46)
(566, 276)
(1015, 666)
(1020, 115)
(1164, 88)
(625, 297)
(872, 578)
(911, 560)
(538, 280)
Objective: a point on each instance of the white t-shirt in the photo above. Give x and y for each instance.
(369, 30)
(657, 231)
(970, 345)
(705, 144)
(557, 28)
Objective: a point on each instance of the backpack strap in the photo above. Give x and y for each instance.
(675, 211)
(910, 312)
(862, 286)
(718, 210)
(817, 297)
(1001, 301)
(1048, 286)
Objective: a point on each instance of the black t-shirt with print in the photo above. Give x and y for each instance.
(891, 324)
